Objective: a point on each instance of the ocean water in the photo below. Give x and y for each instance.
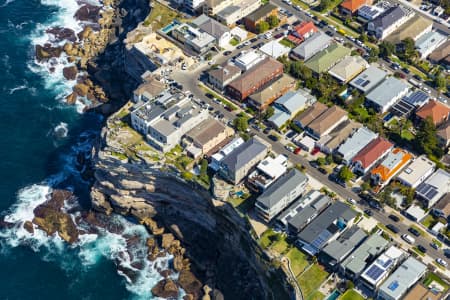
(40, 138)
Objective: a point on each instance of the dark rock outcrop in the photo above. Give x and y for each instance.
(47, 51)
(70, 73)
(166, 288)
(61, 34)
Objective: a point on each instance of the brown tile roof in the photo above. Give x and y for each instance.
(444, 205)
(444, 131)
(341, 133)
(256, 74)
(328, 119)
(311, 113)
(372, 152)
(440, 53)
(352, 5)
(419, 292)
(206, 131)
(152, 87)
(225, 72)
(413, 28)
(438, 111)
(276, 89)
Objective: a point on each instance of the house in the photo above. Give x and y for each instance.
(326, 122)
(209, 135)
(195, 40)
(310, 114)
(255, 79)
(369, 79)
(389, 21)
(416, 172)
(330, 224)
(387, 94)
(236, 165)
(280, 194)
(221, 76)
(193, 5)
(348, 68)
(443, 134)
(404, 107)
(219, 31)
(302, 32)
(325, 59)
(296, 206)
(370, 155)
(248, 59)
(217, 157)
(406, 275)
(355, 143)
(274, 49)
(166, 119)
(420, 292)
(434, 188)
(336, 251)
(429, 42)
(414, 28)
(442, 207)
(213, 7)
(354, 265)
(289, 105)
(350, 7)
(235, 11)
(148, 90)
(415, 213)
(440, 53)
(379, 270)
(392, 164)
(259, 15)
(263, 98)
(417, 98)
(303, 211)
(267, 172)
(369, 12)
(437, 111)
(328, 143)
(316, 43)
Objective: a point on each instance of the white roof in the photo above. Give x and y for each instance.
(348, 68)
(416, 170)
(429, 41)
(248, 57)
(275, 49)
(368, 79)
(356, 142)
(273, 167)
(416, 212)
(239, 32)
(436, 186)
(375, 273)
(389, 89)
(308, 142)
(227, 149)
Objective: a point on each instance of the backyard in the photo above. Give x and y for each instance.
(351, 295)
(160, 16)
(311, 279)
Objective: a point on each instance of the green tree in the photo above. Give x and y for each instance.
(365, 186)
(273, 21)
(440, 82)
(329, 159)
(386, 196)
(241, 123)
(321, 161)
(262, 26)
(386, 49)
(373, 54)
(345, 174)
(324, 4)
(363, 37)
(204, 171)
(269, 112)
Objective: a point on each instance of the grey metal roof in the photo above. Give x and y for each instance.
(244, 153)
(211, 26)
(317, 42)
(356, 142)
(279, 117)
(371, 247)
(340, 248)
(368, 79)
(389, 17)
(305, 215)
(406, 275)
(292, 101)
(281, 187)
(387, 90)
(326, 221)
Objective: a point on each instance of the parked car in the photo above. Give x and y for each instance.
(375, 204)
(422, 249)
(368, 212)
(253, 40)
(351, 201)
(434, 246)
(394, 218)
(226, 53)
(273, 138)
(441, 262)
(315, 151)
(322, 170)
(447, 252)
(414, 231)
(392, 228)
(409, 239)
(266, 130)
(297, 150)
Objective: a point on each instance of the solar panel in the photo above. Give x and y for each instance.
(431, 193)
(359, 81)
(365, 83)
(423, 188)
(417, 97)
(374, 272)
(387, 263)
(394, 284)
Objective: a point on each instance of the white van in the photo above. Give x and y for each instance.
(409, 239)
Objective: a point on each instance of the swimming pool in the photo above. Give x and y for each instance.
(169, 27)
(334, 295)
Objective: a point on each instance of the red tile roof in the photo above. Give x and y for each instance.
(352, 5)
(372, 152)
(438, 111)
(305, 28)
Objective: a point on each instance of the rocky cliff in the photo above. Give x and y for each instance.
(218, 244)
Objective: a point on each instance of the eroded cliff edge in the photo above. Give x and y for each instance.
(218, 243)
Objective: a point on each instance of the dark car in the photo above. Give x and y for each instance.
(435, 246)
(368, 212)
(226, 53)
(414, 231)
(278, 36)
(323, 23)
(417, 77)
(273, 138)
(240, 46)
(392, 228)
(406, 70)
(322, 170)
(447, 252)
(210, 96)
(296, 23)
(422, 249)
(261, 44)
(375, 204)
(394, 218)
(266, 130)
(253, 40)
(329, 33)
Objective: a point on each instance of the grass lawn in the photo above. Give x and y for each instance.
(234, 42)
(267, 238)
(302, 4)
(287, 43)
(316, 296)
(429, 221)
(311, 280)
(280, 246)
(433, 277)
(298, 259)
(351, 295)
(407, 135)
(160, 16)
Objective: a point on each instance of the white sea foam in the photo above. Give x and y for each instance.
(61, 130)
(17, 88)
(6, 3)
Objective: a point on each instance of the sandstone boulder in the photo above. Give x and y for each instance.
(28, 226)
(61, 34)
(167, 240)
(166, 288)
(47, 51)
(190, 283)
(81, 89)
(70, 73)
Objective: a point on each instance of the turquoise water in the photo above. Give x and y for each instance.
(334, 295)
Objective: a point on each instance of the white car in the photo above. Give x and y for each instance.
(441, 262)
(351, 201)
